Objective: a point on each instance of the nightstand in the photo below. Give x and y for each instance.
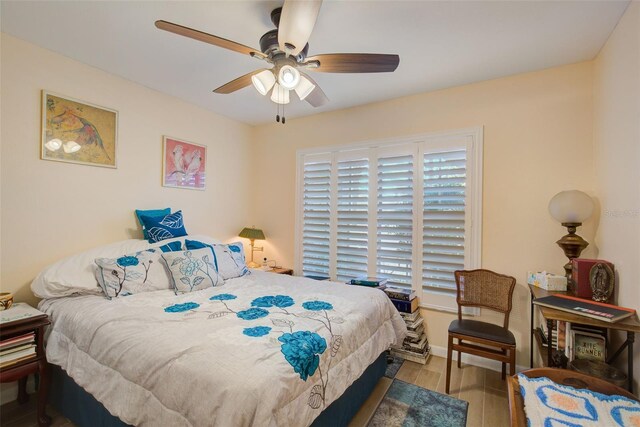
(19, 371)
(280, 270)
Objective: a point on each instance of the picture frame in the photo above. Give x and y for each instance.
(76, 131)
(588, 345)
(183, 164)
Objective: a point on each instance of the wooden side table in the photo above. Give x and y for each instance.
(280, 270)
(38, 363)
(630, 325)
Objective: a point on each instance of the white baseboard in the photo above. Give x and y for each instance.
(9, 391)
(471, 359)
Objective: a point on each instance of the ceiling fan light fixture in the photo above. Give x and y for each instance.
(304, 88)
(288, 77)
(263, 81)
(280, 95)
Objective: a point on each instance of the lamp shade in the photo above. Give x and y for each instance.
(571, 206)
(304, 88)
(288, 77)
(280, 95)
(263, 81)
(252, 233)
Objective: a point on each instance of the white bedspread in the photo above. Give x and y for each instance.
(163, 360)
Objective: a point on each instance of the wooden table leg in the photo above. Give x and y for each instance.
(23, 396)
(630, 340)
(550, 325)
(43, 394)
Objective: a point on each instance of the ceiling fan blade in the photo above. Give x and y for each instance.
(297, 20)
(355, 63)
(237, 84)
(208, 38)
(316, 98)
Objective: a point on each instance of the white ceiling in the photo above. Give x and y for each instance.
(441, 44)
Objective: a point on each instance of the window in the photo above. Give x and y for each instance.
(408, 210)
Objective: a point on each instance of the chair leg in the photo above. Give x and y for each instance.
(449, 345)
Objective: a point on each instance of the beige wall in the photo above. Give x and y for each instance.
(52, 209)
(537, 141)
(617, 157)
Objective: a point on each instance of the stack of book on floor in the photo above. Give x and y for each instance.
(403, 298)
(416, 345)
(371, 282)
(17, 349)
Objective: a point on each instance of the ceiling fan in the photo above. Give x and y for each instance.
(286, 48)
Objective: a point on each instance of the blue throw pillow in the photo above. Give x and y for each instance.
(194, 244)
(150, 212)
(164, 227)
(171, 247)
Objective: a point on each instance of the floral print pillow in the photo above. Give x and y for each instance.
(230, 260)
(192, 270)
(130, 274)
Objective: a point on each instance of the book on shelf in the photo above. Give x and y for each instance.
(587, 345)
(16, 349)
(369, 281)
(19, 311)
(405, 306)
(17, 360)
(403, 294)
(28, 351)
(16, 341)
(592, 309)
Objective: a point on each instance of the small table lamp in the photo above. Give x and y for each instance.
(253, 234)
(571, 208)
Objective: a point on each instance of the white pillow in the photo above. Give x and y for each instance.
(132, 273)
(75, 275)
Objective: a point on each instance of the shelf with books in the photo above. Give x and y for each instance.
(22, 352)
(551, 316)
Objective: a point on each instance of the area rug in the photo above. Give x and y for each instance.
(407, 405)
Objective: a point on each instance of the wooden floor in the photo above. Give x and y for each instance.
(482, 388)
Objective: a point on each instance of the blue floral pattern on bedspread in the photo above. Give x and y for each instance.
(302, 349)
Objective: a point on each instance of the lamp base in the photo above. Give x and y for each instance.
(252, 264)
(572, 245)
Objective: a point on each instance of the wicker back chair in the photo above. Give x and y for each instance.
(484, 289)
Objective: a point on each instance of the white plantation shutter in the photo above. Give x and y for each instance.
(316, 220)
(409, 210)
(394, 231)
(352, 218)
(443, 217)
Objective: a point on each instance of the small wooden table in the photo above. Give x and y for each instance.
(38, 363)
(630, 325)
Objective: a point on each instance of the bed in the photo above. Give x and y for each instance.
(262, 349)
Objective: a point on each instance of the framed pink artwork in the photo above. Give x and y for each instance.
(183, 164)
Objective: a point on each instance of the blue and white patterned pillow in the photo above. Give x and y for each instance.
(230, 260)
(164, 227)
(192, 270)
(130, 274)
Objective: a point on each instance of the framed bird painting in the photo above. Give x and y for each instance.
(183, 164)
(78, 132)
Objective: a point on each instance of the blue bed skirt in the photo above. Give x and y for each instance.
(84, 410)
